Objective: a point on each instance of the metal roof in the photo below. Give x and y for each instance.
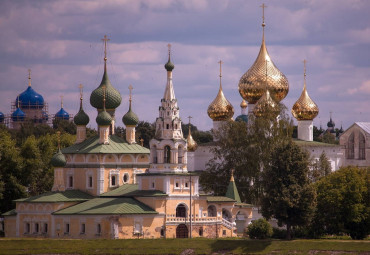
(131, 190)
(60, 196)
(116, 145)
(364, 125)
(101, 206)
(219, 199)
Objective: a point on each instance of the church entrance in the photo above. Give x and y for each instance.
(182, 231)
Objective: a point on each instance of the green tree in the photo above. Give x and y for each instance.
(64, 126)
(199, 136)
(245, 148)
(11, 166)
(145, 131)
(288, 194)
(343, 204)
(320, 167)
(259, 229)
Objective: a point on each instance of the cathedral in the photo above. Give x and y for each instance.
(113, 188)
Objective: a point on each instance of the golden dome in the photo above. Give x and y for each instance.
(264, 104)
(220, 109)
(192, 144)
(252, 84)
(305, 108)
(243, 104)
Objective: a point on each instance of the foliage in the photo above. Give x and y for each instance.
(145, 131)
(320, 167)
(288, 194)
(278, 233)
(246, 148)
(343, 204)
(199, 136)
(259, 229)
(64, 126)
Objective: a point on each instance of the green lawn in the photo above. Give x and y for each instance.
(176, 246)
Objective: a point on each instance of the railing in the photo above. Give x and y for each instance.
(173, 219)
(227, 224)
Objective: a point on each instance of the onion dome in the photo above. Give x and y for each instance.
(243, 104)
(242, 117)
(58, 160)
(62, 114)
(81, 118)
(169, 65)
(18, 115)
(112, 96)
(104, 118)
(2, 117)
(252, 84)
(130, 118)
(264, 104)
(220, 109)
(192, 144)
(304, 108)
(30, 99)
(331, 123)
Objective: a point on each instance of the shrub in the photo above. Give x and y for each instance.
(259, 229)
(279, 233)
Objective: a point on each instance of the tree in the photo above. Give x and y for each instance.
(320, 167)
(288, 194)
(199, 136)
(145, 131)
(260, 229)
(343, 204)
(246, 148)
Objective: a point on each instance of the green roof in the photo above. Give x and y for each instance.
(171, 173)
(219, 199)
(131, 190)
(314, 143)
(100, 206)
(232, 192)
(116, 145)
(10, 213)
(244, 205)
(60, 196)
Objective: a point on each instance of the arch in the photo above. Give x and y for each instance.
(361, 146)
(91, 158)
(182, 231)
(351, 147)
(212, 211)
(226, 215)
(110, 158)
(167, 154)
(127, 158)
(181, 211)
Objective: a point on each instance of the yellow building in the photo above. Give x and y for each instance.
(109, 187)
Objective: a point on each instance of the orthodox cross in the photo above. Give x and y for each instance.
(130, 88)
(81, 89)
(105, 40)
(169, 49)
(61, 101)
(263, 6)
(220, 62)
(29, 77)
(304, 72)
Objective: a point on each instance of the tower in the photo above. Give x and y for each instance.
(81, 119)
(168, 148)
(252, 84)
(305, 110)
(220, 110)
(130, 120)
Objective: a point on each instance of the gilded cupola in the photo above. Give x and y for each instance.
(192, 144)
(113, 97)
(220, 109)
(304, 108)
(265, 104)
(252, 83)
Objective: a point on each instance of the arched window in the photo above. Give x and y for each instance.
(154, 154)
(180, 155)
(226, 215)
(126, 177)
(212, 212)
(113, 180)
(167, 154)
(361, 147)
(351, 147)
(181, 211)
(70, 181)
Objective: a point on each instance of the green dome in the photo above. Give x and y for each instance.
(81, 118)
(104, 118)
(58, 160)
(130, 118)
(112, 96)
(169, 65)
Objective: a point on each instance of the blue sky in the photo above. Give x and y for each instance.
(61, 42)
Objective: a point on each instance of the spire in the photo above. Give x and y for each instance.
(169, 93)
(232, 190)
(29, 77)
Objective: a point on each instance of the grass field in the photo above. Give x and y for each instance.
(177, 246)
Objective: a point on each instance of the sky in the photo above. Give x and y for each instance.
(60, 41)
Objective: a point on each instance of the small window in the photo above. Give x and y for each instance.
(153, 185)
(27, 228)
(66, 230)
(36, 228)
(45, 228)
(224, 232)
(186, 185)
(113, 180)
(98, 229)
(137, 228)
(201, 231)
(126, 177)
(90, 181)
(177, 185)
(70, 181)
(162, 232)
(168, 126)
(83, 228)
